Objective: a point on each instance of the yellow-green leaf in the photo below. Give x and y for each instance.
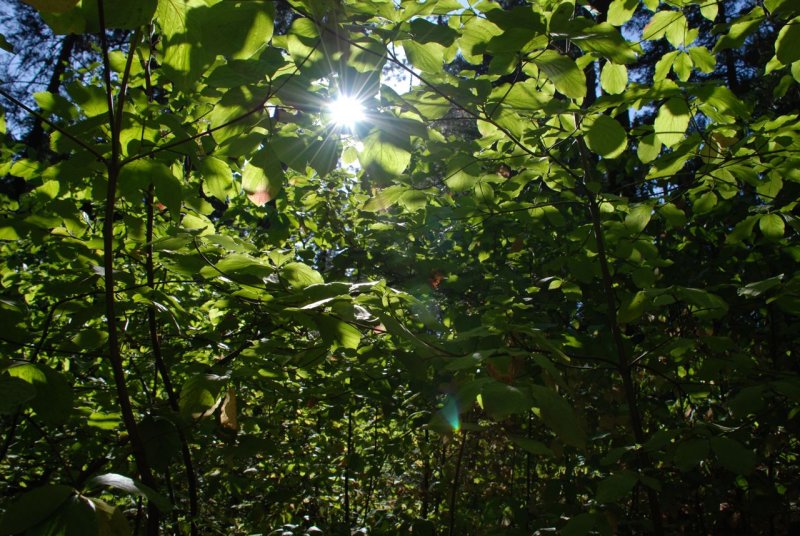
(563, 72)
(772, 226)
(672, 121)
(262, 177)
(606, 137)
(614, 78)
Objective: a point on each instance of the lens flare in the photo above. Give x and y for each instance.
(450, 413)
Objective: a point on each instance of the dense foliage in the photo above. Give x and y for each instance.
(548, 283)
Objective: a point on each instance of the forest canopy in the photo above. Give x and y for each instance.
(399, 267)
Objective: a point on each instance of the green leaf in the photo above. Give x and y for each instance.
(162, 443)
(579, 525)
(704, 303)
(648, 149)
(136, 177)
(132, 487)
(300, 275)
(303, 43)
(337, 331)
(690, 453)
(501, 400)
(33, 508)
(427, 57)
(55, 104)
(616, 487)
(199, 394)
(183, 56)
(243, 264)
(742, 230)
(665, 65)
(385, 198)
(525, 95)
(621, 11)
(757, 288)
(772, 226)
(633, 308)
(119, 14)
(605, 136)
(671, 24)
(475, 35)
(614, 78)
(53, 6)
(563, 72)
(672, 121)
(709, 10)
(104, 421)
(75, 517)
(301, 150)
(638, 218)
(262, 177)
(532, 446)
(14, 392)
(703, 59)
(733, 456)
(385, 155)
(217, 178)
(559, 416)
(606, 41)
(787, 46)
(53, 400)
(674, 216)
(110, 520)
(237, 30)
(740, 30)
(82, 17)
(682, 66)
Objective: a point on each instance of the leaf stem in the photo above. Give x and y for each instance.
(45, 120)
(454, 487)
(623, 363)
(115, 357)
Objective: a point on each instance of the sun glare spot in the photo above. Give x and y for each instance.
(346, 111)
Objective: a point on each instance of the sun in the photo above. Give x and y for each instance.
(346, 111)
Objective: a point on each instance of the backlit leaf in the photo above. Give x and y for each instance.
(672, 121)
(217, 178)
(638, 218)
(338, 331)
(614, 78)
(385, 155)
(563, 72)
(771, 226)
(300, 275)
(262, 177)
(199, 394)
(606, 137)
(620, 11)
